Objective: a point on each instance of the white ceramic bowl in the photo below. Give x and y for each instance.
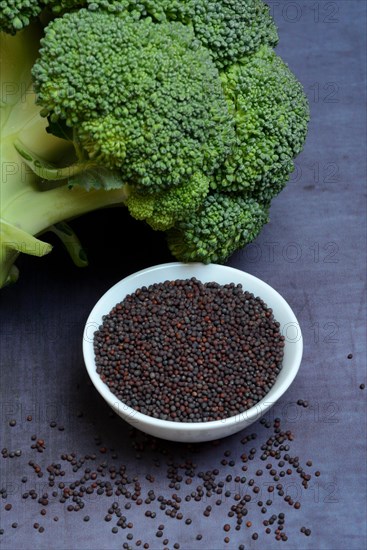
(197, 431)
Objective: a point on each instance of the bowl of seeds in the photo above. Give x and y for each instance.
(192, 352)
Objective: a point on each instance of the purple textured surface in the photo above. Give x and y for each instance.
(313, 252)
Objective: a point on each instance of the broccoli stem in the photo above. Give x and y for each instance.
(71, 242)
(41, 209)
(46, 170)
(32, 212)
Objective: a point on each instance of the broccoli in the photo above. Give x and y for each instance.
(178, 110)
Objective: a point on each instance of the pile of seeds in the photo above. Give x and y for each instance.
(251, 488)
(188, 351)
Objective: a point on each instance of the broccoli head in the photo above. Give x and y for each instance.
(222, 224)
(141, 97)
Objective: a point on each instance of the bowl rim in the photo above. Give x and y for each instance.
(137, 417)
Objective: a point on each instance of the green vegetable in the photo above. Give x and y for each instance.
(179, 110)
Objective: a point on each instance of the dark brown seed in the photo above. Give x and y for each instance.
(172, 317)
(8, 506)
(226, 527)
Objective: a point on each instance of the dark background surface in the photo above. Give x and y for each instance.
(313, 252)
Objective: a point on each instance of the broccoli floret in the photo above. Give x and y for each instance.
(17, 14)
(230, 29)
(271, 115)
(223, 224)
(144, 98)
(162, 210)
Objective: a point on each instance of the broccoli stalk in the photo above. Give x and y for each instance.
(26, 210)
